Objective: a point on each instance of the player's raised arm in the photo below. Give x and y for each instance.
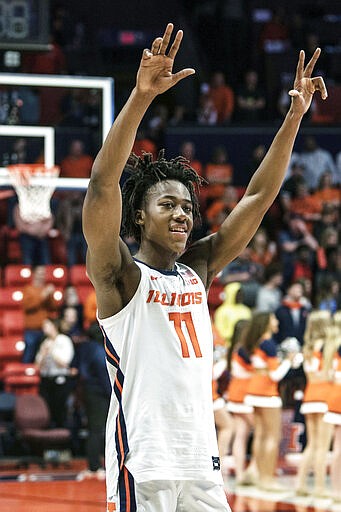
(102, 207)
(239, 227)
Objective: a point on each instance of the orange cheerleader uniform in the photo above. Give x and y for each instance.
(333, 415)
(267, 371)
(317, 390)
(218, 400)
(241, 372)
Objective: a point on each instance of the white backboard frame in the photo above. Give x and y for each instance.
(106, 84)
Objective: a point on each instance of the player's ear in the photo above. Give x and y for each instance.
(139, 217)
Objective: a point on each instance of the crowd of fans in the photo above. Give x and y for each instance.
(291, 267)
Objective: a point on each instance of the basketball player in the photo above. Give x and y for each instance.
(161, 448)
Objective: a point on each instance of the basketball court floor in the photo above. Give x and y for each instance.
(58, 490)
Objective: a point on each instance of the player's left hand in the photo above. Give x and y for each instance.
(305, 86)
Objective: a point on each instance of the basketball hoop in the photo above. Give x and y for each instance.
(34, 185)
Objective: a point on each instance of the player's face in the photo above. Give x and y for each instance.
(167, 218)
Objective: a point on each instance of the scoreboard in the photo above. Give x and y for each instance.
(24, 24)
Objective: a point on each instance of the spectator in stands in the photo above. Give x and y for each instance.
(221, 207)
(292, 314)
(69, 223)
(250, 99)
(222, 96)
(289, 239)
(53, 359)
(76, 164)
(327, 190)
(69, 325)
(207, 114)
(33, 238)
(73, 108)
(316, 161)
(219, 172)
(96, 392)
(38, 304)
(262, 250)
(269, 294)
(242, 269)
(157, 123)
(295, 178)
(188, 150)
(71, 300)
(51, 61)
(256, 157)
(328, 295)
(306, 205)
(144, 144)
(230, 311)
(329, 219)
(274, 36)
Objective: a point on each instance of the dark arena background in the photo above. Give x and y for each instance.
(66, 69)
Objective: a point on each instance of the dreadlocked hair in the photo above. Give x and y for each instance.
(144, 173)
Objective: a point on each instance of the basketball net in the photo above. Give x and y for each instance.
(34, 185)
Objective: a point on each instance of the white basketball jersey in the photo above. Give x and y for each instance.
(159, 355)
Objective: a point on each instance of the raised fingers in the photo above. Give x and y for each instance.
(300, 66)
(176, 44)
(319, 85)
(166, 38)
(311, 64)
(156, 45)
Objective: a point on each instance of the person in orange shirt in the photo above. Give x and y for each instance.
(76, 164)
(222, 97)
(219, 172)
(222, 207)
(262, 250)
(187, 150)
(327, 191)
(38, 304)
(306, 205)
(144, 144)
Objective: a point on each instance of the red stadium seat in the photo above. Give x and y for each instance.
(13, 323)
(10, 298)
(10, 245)
(17, 275)
(21, 378)
(11, 350)
(57, 275)
(83, 292)
(78, 276)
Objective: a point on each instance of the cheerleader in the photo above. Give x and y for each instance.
(263, 395)
(239, 364)
(333, 416)
(314, 405)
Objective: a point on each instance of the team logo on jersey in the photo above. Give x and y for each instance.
(178, 299)
(216, 463)
(153, 278)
